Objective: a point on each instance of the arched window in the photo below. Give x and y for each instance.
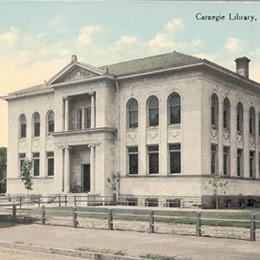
(226, 113)
(50, 122)
(174, 109)
(153, 111)
(132, 107)
(252, 121)
(23, 124)
(36, 124)
(240, 118)
(214, 111)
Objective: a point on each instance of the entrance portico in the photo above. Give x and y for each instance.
(79, 168)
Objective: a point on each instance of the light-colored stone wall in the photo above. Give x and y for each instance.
(110, 137)
(188, 87)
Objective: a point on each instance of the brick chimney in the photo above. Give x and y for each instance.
(242, 66)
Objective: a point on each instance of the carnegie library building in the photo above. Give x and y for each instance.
(163, 125)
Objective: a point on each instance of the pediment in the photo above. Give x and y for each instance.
(75, 71)
(75, 74)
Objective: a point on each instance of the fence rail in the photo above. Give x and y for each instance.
(150, 219)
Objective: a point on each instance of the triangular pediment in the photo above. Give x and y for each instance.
(75, 71)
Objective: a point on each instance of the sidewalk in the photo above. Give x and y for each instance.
(129, 243)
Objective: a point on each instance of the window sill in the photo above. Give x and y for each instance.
(153, 127)
(174, 125)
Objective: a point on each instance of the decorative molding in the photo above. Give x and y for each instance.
(252, 141)
(239, 138)
(226, 136)
(214, 132)
(153, 135)
(132, 136)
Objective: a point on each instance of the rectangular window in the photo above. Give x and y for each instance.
(79, 118)
(133, 160)
(153, 159)
(50, 163)
(251, 164)
(239, 162)
(87, 117)
(259, 163)
(226, 161)
(36, 164)
(213, 158)
(21, 161)
(151, 202)
(175, 158)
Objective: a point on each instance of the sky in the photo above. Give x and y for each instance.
(38, 38)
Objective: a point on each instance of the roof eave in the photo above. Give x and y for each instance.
(37, 93)
(231, 74)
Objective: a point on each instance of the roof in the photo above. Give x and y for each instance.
(30, 90)
(172, 59)
(132, 67)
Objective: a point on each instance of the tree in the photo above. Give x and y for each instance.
(26, 175)
(114, 184)
(3, 152)
(217, 184)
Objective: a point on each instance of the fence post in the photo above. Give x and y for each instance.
(39, 202)
(151, 222)
(75, 222)
(20, 201)
(252, 228)
(110, 219)
(14, 212)
(43, 215)
(75, 201)
(66, 201)
(198, 225)
(59, 201)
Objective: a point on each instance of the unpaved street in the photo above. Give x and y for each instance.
(130, 243)
(12, 254)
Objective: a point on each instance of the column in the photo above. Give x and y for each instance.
(66, 169)
(92, 168)
(220, 138)
(246, 137)
(93, 106)
(257, 145)
(233, 139)
(163, 132)
(66, 114)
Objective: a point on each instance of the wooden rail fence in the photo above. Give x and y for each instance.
(109, 214)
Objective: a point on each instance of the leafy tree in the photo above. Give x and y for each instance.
(114, 184)
(3, 152)
(26, 175)
(217, 184)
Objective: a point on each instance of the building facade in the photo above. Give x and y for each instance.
(162, 124)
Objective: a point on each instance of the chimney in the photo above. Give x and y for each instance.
(242, 65)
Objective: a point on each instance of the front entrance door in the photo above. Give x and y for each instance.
(85, 168)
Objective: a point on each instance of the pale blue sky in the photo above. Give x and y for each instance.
(38, 38)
